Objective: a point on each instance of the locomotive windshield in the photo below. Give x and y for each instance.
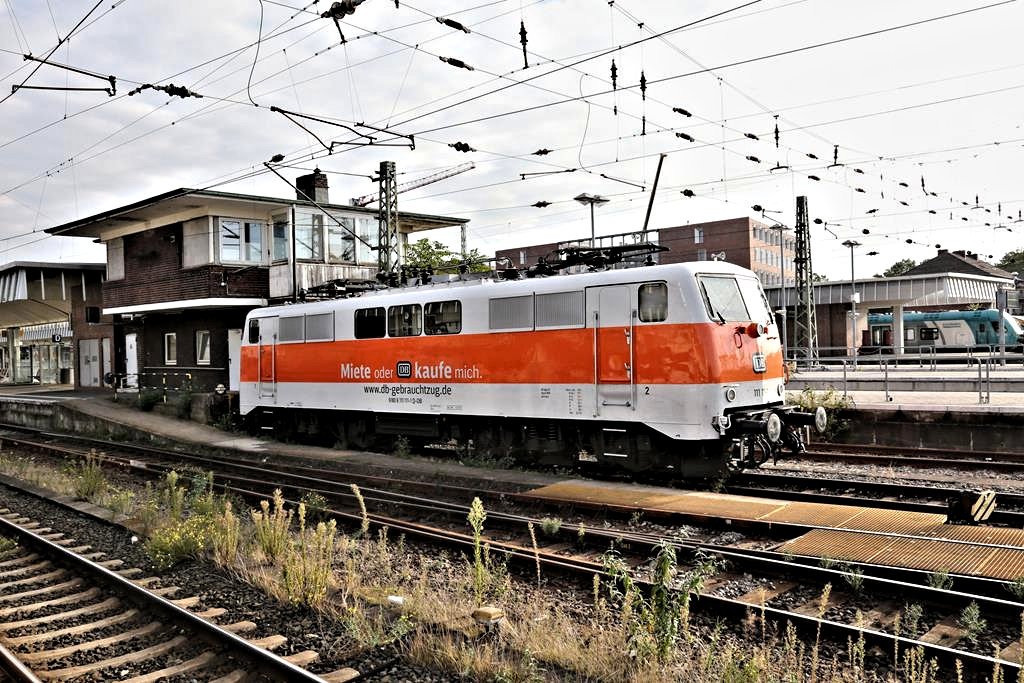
(730, 299)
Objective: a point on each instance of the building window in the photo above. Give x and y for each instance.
(309, 237)
(442, 317)
(202, 347)
(698, 235)
(170, 348)
(341, 245)
(370, 323)
(241, 241)
(280, 238)
(702, 254)
(115, 259)
(369, 231)
(653, 303)
(405, 321)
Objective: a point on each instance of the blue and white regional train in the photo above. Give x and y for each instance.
(946, 330)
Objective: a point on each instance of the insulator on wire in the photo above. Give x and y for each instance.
(688, 193)
(751, 136)
(904, 203)
(543, 151)
(688, 138)
(680, 110)
(615, 76)
(910, 241)
(857, 170)
(776, 131)
(541, 205)
(814, 177)
(753, 158)
(522, 40)
(932, 211)
(871, 211)
(835, 155)
(812, 156)
(860, 189)
(922, 186)
(456, 62)
(461, 147)
(866, 231)
(643, 125)
(451, 23)
(643, 86)
(903, 184)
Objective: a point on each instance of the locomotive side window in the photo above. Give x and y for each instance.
(290, 329)
(405, 321)
(909, 334)
(442, 317)
(370, 323)
(722, 298)
(320, 327)
(254, 331)
(562, 309)
(653, 302)
(512, 313)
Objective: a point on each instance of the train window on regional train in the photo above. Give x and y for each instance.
(653, 302)
(723, 299)
(442, 317)
(254, 331)
(370, 323)
(929, 334)
(405, 320)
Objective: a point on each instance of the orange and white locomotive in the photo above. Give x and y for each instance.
(673, 367)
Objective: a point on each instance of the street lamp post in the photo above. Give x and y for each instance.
(591, 199)
(853, 299)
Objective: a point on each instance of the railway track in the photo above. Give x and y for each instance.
(911, 457)
(784, 574)
(68, 614)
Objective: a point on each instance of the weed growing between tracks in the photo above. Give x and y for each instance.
(833, 402)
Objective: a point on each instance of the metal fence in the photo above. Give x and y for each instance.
(164, 382)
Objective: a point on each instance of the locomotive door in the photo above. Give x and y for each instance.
(267, 356)
(612, 315)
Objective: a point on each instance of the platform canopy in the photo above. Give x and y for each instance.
(33, 293)
(946, 289)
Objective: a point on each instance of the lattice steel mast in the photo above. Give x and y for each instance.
(805, 332)
(389, 251)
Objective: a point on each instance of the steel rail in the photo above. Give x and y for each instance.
(265, 660)
(15, 668)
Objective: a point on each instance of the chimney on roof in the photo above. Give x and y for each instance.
(312, 186)
(943, 251)
(960, 252)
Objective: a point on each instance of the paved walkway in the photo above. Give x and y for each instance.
(946, 401)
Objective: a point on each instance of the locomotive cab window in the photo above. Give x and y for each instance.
(722, 298)
(254, 331)
(405, 321)
(370, 323)
(653, 302)
(442, 317)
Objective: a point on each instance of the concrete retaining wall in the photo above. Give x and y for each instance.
(62, 417)
(961, 429)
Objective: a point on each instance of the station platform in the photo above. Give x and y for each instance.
(868, 376)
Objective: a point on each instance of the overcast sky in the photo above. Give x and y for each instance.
(940, 101)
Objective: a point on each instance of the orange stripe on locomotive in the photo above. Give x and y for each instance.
(688, 353)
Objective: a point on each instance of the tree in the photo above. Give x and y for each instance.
(818, 277)
(1012, 261)
(898, 268)
(425, 253)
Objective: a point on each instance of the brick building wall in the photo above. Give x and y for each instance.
(153, 274)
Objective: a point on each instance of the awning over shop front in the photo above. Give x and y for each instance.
(45, 332)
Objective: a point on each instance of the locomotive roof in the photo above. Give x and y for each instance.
(491, 287)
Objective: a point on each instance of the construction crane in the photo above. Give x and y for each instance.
(368, 199)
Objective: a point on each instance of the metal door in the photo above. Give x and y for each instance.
(131, 361)
(234, 358)
(89, 362)
(267, 357)
(612, 318)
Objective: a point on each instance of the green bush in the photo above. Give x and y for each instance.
(834, 403)
(179, 541)
(88, 478)
(183, 405)
(148, 398)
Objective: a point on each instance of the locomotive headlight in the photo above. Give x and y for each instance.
(730, 394)
(820, 419)
(773, 428)
(779, 389)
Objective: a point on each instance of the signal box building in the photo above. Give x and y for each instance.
(185, 267)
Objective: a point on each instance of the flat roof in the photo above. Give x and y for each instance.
(938, 289)
(59, 265)
(183, 199)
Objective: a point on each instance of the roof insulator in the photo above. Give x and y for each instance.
(688, 193)
(680, 110)
(688, 138)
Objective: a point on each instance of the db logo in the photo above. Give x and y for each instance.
(403, 369)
